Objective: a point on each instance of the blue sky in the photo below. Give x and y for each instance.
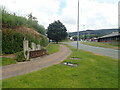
(94, 14)
(62, 6)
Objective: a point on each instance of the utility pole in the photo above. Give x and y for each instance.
(83, 32)
(78, 27)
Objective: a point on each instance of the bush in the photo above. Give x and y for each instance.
(20, 57)
(44, 41)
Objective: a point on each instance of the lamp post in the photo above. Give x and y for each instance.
(118, 15)
(78, 27)
(83, 32)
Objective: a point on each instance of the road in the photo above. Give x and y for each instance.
(98, 50)
(35, 64)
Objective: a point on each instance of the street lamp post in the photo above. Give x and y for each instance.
(83, 32)
(78, 27)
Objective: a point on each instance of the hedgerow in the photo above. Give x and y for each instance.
(12, 41)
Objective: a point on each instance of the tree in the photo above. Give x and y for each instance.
(30, 16)
(57, 31)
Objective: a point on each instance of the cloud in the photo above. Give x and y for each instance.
(93, 14)
(45, 10)
(102, 15)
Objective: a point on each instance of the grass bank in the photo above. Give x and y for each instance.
(93, 71)
(99, 44)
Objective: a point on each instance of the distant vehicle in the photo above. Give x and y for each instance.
(51, 41)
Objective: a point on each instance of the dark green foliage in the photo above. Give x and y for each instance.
(44, 41)
(11, 21)
(12, 41)
(75, 38)
(57, 31)
(20, 57)
(36, 26)
(0, 42)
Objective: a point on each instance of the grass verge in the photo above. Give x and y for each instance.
(93, 71)
(6, 61)
(53, 48)
(99, 44)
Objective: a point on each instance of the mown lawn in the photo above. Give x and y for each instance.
(52, 48)
(93, 71)
(6, 61)
(99, 44)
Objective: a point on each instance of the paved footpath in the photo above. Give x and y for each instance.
(36, 64)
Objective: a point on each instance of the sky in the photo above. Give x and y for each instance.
(94, 14)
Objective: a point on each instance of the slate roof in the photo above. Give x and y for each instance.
(111, 35)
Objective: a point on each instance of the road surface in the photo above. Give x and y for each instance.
(36, 64)
(98, 50)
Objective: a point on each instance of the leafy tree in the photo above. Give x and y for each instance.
(57, 31)
(30, 16)
(119, 30)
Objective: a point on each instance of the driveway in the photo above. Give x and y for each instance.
(98, 50)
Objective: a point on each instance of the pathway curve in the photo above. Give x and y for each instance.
(36, 64)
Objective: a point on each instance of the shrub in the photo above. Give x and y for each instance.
(20, 57)
(44, 41)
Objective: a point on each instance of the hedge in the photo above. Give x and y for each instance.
(12, 41)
